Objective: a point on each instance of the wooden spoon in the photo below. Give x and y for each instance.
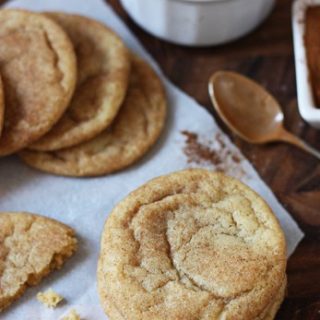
(250, 111)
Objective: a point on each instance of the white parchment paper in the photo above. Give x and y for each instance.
(84, 204)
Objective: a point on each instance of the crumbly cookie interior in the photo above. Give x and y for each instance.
(30, 248)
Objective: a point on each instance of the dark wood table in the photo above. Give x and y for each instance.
(267, 56)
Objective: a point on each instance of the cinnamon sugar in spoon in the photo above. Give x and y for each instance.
(250, 111)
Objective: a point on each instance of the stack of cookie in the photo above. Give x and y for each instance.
(73, 100)
(192, 245)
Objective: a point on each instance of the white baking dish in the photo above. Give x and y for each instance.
(198, 22)
(306, 102)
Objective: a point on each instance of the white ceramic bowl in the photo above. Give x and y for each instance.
(306, 103)
(198, 22)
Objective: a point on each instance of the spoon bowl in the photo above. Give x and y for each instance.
(250, 111)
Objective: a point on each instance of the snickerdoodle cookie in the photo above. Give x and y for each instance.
(38, 68)
(192, 245)
(31, 246)
(133, 132)
(271, 311)
(103, 73)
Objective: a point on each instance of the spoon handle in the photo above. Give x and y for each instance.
(290, 138)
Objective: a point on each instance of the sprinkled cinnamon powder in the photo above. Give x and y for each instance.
(214, 153)
(218, 137)
(198, 152)
(236, 158)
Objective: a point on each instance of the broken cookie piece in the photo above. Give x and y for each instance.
(31, 247)
(49, 298)
(72, 315)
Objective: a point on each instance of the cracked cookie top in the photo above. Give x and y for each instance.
(135, 129)
(31, 246)
(38, 68)
(191, 245)
(103, 73)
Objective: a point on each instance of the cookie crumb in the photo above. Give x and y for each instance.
(72, 315)
(49, 298)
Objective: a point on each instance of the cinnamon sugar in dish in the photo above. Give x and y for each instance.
(312, 42)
